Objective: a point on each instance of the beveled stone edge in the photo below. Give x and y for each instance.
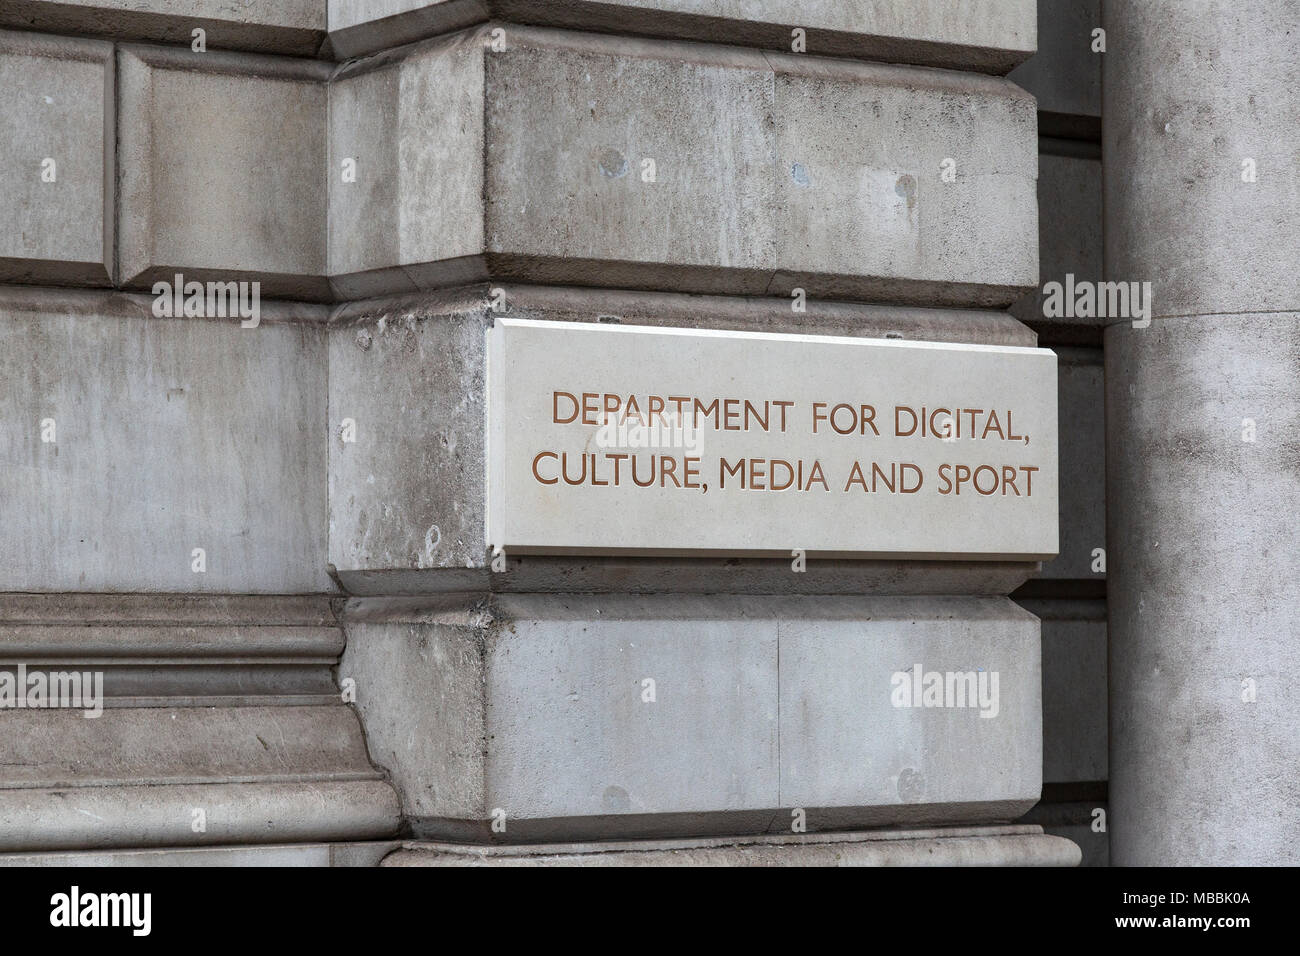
(158, 816)
(998, 55)
(968, 846)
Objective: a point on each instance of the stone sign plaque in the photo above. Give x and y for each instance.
(612, 439)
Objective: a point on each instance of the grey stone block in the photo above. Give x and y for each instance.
(835, 720)
(468, 714)
(134, 776)
(169, 435)
(127, 816)
(414, 130)
(535, 708)
(407, 497)
(56, 123)
(296, 855)
(987, 35)
(222, 170)
(158, 746)
(234, 611)
(295, 27)
(1020, 845)
(770, 171)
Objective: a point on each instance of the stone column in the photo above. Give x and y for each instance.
(1203, 418)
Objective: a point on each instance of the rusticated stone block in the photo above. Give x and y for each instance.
(56, 156)
(575, 158)
(222, 170)
(142, 439)
(568, 717)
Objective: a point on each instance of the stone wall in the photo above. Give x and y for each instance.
(268, 533)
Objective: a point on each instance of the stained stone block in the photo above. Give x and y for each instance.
(569, 717)
(56, 154)
(295, 27)
(984, 756)
(413, 131)
(143, 439)
(986, 35)
(565, 157)
(222, 160)
(408, 446)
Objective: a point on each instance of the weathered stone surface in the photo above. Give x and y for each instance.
(987, 35)
(414, 130)
(768, 173)
(180, 703)
(698, 168)
(56, 123)
(134, 776)
(94, 818)
(222, 160)
(950, 846)
(991, 36)
(535, 707)
(1178, 146)
(407, 497)
(295, 27)
(1202, 524)
(828, 444)
(297, 856)
(361, 853)
(154, 746)
(844, 743)
(169, 435)
(179, 651)
(1202, 423)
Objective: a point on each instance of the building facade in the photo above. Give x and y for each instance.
(278, 278)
